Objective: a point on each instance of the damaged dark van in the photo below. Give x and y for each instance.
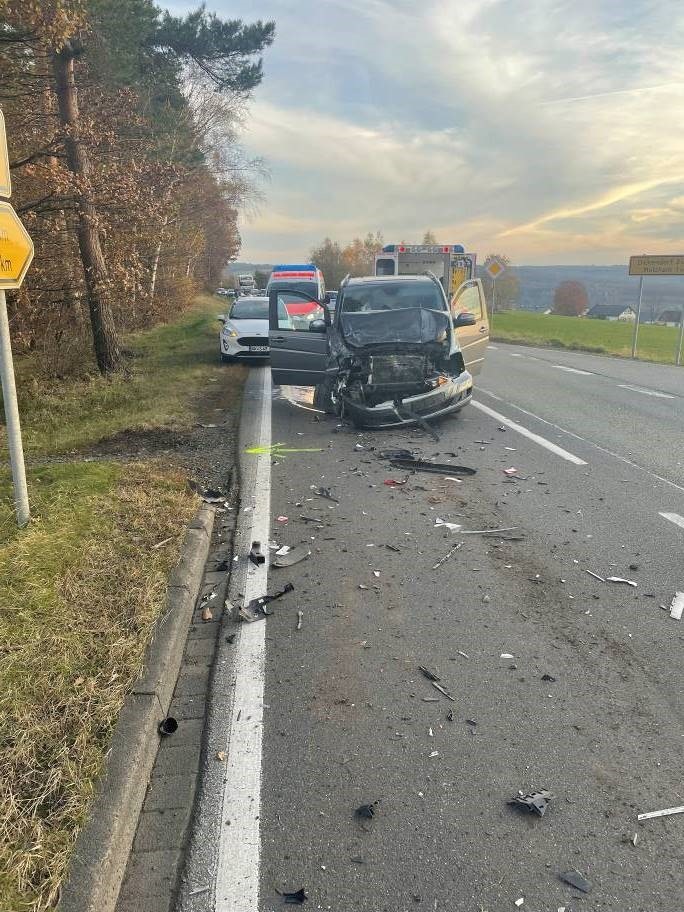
(389, 355)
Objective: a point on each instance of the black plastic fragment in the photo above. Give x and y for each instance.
(208, 495)
(256, 609)
(396, 454)
(430, 675)
(366, 811)
(255, 554)
(535, 802)
(327, 493)
(548, 677)
(437, 468)
(296, 898)
(167, 726)
(576, 880)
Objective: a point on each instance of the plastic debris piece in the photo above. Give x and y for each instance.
(548, 677)
(430, 675)
(221, 756)
(296, 898)
(207, 613)
(325, 492)
(487, 531)
(256, 609)
(619, 579)
(667, 812)
(167, 726)
(291, 556)
(450, 716)
(255, 554)
(520, 902)
(511, 471)
(505, 655)
(534, 802)
(396, 454)
(434, 754)
(464, 654)
(437, 468)
(443, 691)
(452, 527)
(677, 606)
(595, 575)
(208, 495)
(446, 557)
(366, 811)
(281, 519)
(394, 483)
(300, 615)
(577, 880)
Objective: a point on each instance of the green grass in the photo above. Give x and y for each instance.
(656, 343)
(82, 585)
(168, 364)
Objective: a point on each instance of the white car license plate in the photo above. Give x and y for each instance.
(258, 348)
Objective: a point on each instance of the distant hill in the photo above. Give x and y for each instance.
(604, 284)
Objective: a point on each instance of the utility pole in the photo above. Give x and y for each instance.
(681, 338)
(635, 335)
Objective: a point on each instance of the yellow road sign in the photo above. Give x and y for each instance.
(495, 267)
(656, 265)
(16, 248)
(5, 180)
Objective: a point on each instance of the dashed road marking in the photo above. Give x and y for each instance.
(542, 441)
(573, 370)
(673, 518)
(646, 392)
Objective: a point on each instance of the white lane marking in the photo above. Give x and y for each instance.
(572, 370)
(542, 441)
(597, 446)
(673, 518)
(515, 354)
(238, 874)
(493, 347)
(646, 392)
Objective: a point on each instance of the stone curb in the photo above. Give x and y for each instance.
(102, 848)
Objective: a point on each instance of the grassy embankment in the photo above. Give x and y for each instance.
(656, 343)
(81, 586)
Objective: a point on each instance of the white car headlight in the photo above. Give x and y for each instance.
(229, 331)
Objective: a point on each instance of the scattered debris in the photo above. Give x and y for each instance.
(577, 880)
(392, 483)
(167, 726)
(291, 556)
(300, 615)
(324, 492)
(208, 495)
(506, 655)
(430, 699)
(207, 614)
(452, 527)
(634, 566)
(534, 802)
(376, 574)
(464, 654)
(511, 471)
(221, 756)
(595, 575)
(501, 428)
(430, 675)
(471, 722)
(519, 902)
(366, 811)
(667, 812)
(437, 468)
(548, 677)
(396, 454)
(281, 519)
(255, 554)
(359, 446)
(619, 579)
(199, 890)
(677, 606)
(231, 638)
(450, 716)
(256, 609)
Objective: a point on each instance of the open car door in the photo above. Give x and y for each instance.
(473, 339)
(298, 341)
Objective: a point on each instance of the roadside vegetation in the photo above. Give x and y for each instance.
(656, 343)
(82, 586)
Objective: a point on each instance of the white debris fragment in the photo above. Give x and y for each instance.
(619, 579)
(667, 812)
(505, 655)
(520, 901)
(452, 527)
(677, 606)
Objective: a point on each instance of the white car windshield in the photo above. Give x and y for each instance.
(250, 309)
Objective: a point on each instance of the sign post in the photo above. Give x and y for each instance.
(655, 265)
(678, 360)
(494, 268)
(16, 253)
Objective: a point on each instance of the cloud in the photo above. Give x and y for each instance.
(543, 128)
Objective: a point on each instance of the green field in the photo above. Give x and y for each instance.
(656, 343)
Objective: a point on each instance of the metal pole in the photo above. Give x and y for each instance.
(9, 395)
(638, 317)
(491, 320)
(681, 339)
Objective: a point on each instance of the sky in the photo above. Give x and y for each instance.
(548, 130)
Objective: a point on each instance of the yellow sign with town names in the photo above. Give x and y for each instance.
(5, 180)
(16, 248)
(656, 265)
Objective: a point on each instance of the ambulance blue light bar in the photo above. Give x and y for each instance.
(423, 248)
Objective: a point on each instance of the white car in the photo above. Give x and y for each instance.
(244, 335)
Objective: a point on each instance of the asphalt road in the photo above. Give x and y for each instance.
(337, 714)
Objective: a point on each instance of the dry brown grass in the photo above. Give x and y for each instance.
(79, 592)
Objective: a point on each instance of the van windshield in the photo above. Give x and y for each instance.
(391, 296)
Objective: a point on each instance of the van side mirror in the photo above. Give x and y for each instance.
(465, 318)
(317, 326)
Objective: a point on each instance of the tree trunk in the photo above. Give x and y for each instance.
(106, 345)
